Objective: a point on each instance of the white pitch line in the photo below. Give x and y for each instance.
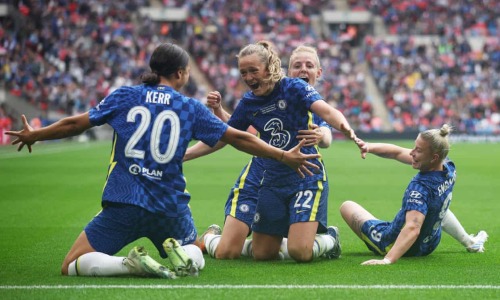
(223, 286)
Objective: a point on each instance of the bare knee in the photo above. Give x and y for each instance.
(300, 254)
(347, 204)
(227, 253)
(262, 256)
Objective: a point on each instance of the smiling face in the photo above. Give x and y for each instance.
(422, 157)
(305, 65)
(254, 72)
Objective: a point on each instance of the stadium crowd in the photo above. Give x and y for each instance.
(221, 28)
(446, 81)
(67, 55)
(435, 17)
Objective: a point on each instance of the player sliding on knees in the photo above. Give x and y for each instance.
(145, 191)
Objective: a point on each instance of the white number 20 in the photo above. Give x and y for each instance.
(167, 115)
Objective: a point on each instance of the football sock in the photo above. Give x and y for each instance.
(211, 243)
(98, 264)
(322, 244)
(452, 226)
(247, 249)
(284, 249)
(194, 252)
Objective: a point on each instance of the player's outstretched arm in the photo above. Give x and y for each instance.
(63, 128)
(333, 117)
(201, 149)
(385, 150)
(251, 144)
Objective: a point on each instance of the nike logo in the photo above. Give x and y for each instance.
(300, 211)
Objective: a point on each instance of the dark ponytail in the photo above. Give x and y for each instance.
(166, 59)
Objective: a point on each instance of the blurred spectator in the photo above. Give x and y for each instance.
(435, 17)
(446, 82)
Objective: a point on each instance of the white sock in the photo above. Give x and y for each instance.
(452, 226)
(247, 249)
(211, 243)
(98, 264)
(194, 252)
(322, 244)
(284, 249)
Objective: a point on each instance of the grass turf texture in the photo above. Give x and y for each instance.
(47, 197)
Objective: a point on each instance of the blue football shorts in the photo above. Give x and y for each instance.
(117, 225)
(279, 207)
(377, 237)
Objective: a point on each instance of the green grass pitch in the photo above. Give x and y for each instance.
(47, 197)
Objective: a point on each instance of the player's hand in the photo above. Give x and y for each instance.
(23, 137)
(214, 100)
(299, 161)
(373, 262)
(313, 136)
(363, 147)
(348, 132)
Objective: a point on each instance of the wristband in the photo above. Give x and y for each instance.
(387, 261)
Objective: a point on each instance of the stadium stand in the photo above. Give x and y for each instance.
(394, 68)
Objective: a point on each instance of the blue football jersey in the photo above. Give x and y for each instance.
(278, 117)
(429, 193)
(153, 126)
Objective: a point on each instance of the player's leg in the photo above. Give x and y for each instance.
(308, 216)
(212, 230)
(270, 223)
(239, 210)
(231, 241)
(452, 226)
(80, 247)
(355, 215)
(301, 237)
(174, 239)
(92, 252)
(265, 246)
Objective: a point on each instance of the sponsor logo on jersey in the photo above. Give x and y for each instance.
(415, 194)
(153, 174)
(279, 137)
(411, 200)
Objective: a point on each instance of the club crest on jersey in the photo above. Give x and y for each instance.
(282, 104)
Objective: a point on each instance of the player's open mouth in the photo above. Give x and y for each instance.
(254, 86)
(305, 79)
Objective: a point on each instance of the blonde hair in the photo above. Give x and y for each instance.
(438, 140)
(268, 56)
(307, 49)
